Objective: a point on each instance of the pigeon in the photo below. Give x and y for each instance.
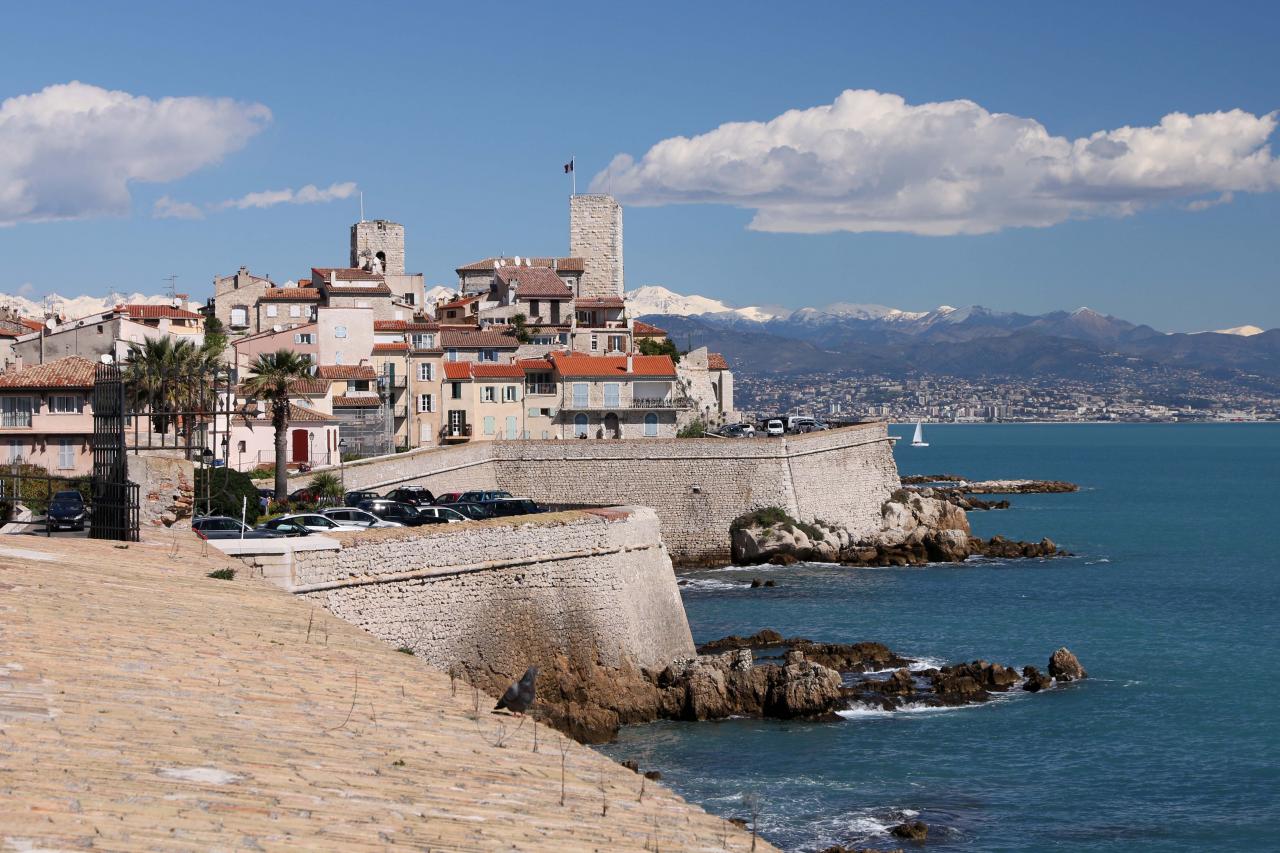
(519, 695)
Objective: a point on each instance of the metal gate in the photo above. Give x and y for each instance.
(115, 504)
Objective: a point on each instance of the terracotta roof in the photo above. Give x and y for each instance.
(290, 294)
(157, 312)
(459, 303)
(497, 371)
(346, 371)
(613, 365)
(305, 282)
(534, 364)
(309, 387)
(405, 326)
(535, 282)
(456, 371)
(380, 290)
(600, 302)
(715, 361)
(646, 330)
(384, 349)
(303, 413)
(344, 402)
(70, 372)
(478, 339)
(562, 264)
(320, 275)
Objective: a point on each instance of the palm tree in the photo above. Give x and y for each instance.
(169, 376)
(270, 378)
(326, 486)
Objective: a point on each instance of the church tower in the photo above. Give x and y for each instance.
(595, 235)
(380, 239)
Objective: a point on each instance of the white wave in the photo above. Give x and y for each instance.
(710, 583)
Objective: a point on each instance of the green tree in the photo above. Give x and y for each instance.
(169, 376)
(519, 323)
(326, 485)
(652, 346)
(269, 380)
(215, 337)
(226, 490)
(696, 428)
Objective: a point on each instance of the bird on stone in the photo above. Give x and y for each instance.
(520, 694)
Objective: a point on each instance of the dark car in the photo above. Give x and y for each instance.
(512, 506)
(389, 510)
(412, 495)
(225, 527)
(483, 497)
(283, 527)
(473, 511)
(354, 498)
(449, 498)
(67, 509)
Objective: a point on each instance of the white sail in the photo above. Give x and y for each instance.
(918, 439)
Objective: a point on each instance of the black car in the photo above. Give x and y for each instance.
(484, 497)
(225, 527)
(354, 498)
(473, 511)
(412, 495)
(512, 506)
(67, 509)
(406, 514)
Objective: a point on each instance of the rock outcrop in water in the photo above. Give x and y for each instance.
(1064, 666)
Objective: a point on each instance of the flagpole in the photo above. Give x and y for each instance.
(573, 171)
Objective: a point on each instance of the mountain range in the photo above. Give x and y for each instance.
(970, 342)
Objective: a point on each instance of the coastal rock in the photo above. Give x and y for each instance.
(1064, 666)
(1035, 680)
(842, 657)
(770, 535)
(912, 830)
(1000, 548)
(758, 640)
(729, 684)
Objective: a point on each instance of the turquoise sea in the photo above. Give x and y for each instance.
(1172, 604)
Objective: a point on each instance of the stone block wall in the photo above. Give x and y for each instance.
(166, 489)
(498, 596)
(595, 235)
(379, 235)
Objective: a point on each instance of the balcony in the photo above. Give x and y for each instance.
(540, 388)
(578, 404)
(15, 420)
(455, 434)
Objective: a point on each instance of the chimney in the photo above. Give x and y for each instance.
(630, 363)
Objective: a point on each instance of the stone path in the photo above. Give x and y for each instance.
(145, 706)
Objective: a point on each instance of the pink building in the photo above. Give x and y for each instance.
(46, 416)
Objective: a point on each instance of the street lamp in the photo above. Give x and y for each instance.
(342, 464)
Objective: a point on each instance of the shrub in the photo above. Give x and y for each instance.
(227, 489)
(222, 574)
(696, 428)
(326, 485)
(764, 517)
(35, 487)
(405, 650)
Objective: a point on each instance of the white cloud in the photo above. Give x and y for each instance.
(310, 194)
(71, 151)
(872, 162)
(167, 208)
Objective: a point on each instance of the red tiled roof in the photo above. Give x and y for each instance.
(302, 413)
(535, 282)
(600, 302)
(478, 339)
(562, 264)
(309, 387)
(458, 303)
(646, 330)
(33, 325)
(157, 312)
(320, 275)
(405, 326)
(345, 402)
(70, 372)
(715, 361)
(456, 371)
(613, 365)
(497, 371)
(290, 294)
(346, 371)
(389, 348)
(534, 364)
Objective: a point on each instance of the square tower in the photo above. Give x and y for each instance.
(595, 235)
(378, 239)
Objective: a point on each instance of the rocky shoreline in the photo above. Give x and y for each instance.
(768, 676)
(965, 486)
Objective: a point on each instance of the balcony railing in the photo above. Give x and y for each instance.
(460, 432)
(539, 388)
(15, 419)
(578, 404)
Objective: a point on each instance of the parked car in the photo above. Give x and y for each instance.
(357, 517)
(512, 506)
(449, 498)
(412, 495)
(774, 427)
(473, 511)
(313, 522)
(389, 510)
(739, 431)
(226, 527)
(804, 425)
(67, 509)
(443, 513)
(353, 499)
(482, 497)
(282, 527)
(309, 495)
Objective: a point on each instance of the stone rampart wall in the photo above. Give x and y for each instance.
(497, 596)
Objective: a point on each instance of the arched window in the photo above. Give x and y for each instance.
(612, 429)
(651, 425)
(579, 426)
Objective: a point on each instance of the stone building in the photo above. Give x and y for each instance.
(110, 333)
(234, 299)
(595, 235)
(378, 240)
(626, 396)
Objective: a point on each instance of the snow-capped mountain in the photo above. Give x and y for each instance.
(1242, 331)
(655, 299)
(74, 307)
(439, 293)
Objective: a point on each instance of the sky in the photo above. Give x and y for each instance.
(1025, 157)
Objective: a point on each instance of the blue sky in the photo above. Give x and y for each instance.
(455, 120)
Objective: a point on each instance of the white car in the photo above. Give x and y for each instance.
(774, 427)
(314, 523)
(358, 517)
(443, 512)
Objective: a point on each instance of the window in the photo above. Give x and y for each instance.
(489, 422)
(617, 343)
(240, 447)
(337, 357)
(271, 310)
(240, 316)
(511, 426)
(651, 425)
(535, 308)
(451, 355)
(487, 395)
(595, 343)
(533, 413)
(15, 450)
(64, 404)
(426, 403)
(339, 331)
(66, 454)
(303, 338)
(15, 411)
(358, 385)
(295, 310)
(555, 312)
(399, 315)
(455, 390)
(580, 426)
(489, 355)
(580, 395)
(510, 393)
(426, 371)
(611, 397)
(409, 299)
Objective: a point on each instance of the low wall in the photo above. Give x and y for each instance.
(696, 486)
(499, 595)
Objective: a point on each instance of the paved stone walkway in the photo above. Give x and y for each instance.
(145, 706)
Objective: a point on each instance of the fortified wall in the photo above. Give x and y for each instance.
(496, 596)
(696, 486)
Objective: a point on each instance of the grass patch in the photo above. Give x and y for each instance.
(772, 516)
(222, 574)
(405, 650)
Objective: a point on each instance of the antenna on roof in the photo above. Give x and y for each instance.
(362, 205)
(172, 278)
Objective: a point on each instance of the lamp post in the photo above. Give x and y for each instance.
(342, 465)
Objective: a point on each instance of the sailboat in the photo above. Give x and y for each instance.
(918, 440)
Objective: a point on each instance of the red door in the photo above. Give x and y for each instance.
(300, 446)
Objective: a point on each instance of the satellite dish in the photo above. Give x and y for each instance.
(50, 324)
(106, 358)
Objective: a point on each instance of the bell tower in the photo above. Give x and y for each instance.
(380, 239)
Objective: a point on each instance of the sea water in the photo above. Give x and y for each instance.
(1171, 603)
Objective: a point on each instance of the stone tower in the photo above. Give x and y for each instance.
(378, 238)
(595, 235)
